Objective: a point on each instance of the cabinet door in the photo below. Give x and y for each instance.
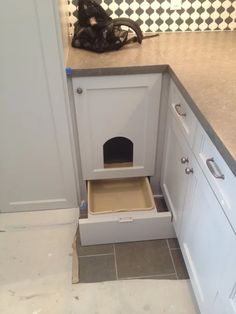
(174, 180)
(36, 165)
(226, 297)
(117, 107)
(204, 239)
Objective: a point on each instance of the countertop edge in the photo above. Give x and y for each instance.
(147, 69)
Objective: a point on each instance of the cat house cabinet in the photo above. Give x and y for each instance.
(117, 120)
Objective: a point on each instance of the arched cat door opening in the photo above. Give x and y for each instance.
(118, 152)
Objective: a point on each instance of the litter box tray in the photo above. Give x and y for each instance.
(123, 210)
(119, 195)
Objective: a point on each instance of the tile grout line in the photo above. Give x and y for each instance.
(114, 249)
(105, 254)
(147, 276)
(172, 258)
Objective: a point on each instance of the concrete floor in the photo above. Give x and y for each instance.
(36, 264)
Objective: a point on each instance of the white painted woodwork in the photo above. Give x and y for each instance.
(226, 297)
(204, 239)
(36, 169)
(125, 106)
(184, 116)
(155, 180)
(125, 227)
(203, 210)
(225, 189)
(174, 180)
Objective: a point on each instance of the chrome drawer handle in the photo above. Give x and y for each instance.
(184, 160)
(177, 109)
(213, 167)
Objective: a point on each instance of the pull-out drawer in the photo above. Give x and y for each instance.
(218, 174)
(132, 216)
(182, 112)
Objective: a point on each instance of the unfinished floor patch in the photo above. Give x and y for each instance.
(135, 297)
(36, 262)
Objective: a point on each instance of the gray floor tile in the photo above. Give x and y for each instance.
(180, 267)
(95, 249)
(145, 258)
(169, 277)
(97, 268)
(173, 243)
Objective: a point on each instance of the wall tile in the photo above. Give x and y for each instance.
(156, 16)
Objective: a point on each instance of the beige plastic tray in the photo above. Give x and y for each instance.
(119, 195)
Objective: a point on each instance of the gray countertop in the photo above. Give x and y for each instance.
(203, 66)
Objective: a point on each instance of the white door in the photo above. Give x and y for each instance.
(36, 169)
(204, 239)
(174, 180)
(112, 107)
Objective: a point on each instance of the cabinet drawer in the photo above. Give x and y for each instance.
(220, 177)
(125, 227)
(123, 210)
(182, 112)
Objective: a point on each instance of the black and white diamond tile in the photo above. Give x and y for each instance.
(157, 16)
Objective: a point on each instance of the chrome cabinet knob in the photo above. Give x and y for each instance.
(184, 160)
(79, 90)
(188, 170)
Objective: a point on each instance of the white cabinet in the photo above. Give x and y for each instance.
(174, 180)
(220, 177)
(36, 168)
(202, 206)
(204, 239)
(184, 116)
(200, 224)
(117, 120)
(225, 302)
(117, 117)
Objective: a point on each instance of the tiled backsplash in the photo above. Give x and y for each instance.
(157, 16)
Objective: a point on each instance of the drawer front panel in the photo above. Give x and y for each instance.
(183, 114)
(220, 177)
(116, 228)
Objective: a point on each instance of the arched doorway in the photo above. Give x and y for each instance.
(118, 152)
